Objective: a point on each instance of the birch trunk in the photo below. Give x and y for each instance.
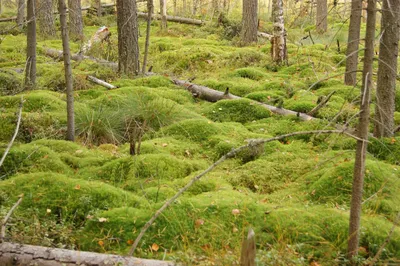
(278, 48)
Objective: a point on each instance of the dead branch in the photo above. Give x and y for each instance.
(211, 95)
(21, 104)
(252, 143)
(100, 82)
(182, 20)
(387, 240)
(264, 35)
(322, 104)
(18, 254)
(5, 220)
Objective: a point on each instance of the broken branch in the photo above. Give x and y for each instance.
(5, 220)
(322, 104)
(100, 82)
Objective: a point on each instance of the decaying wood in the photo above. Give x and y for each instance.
(100, 82)
(21, 104)
(322, 104)
(17, 254)
(5, 220)
(248, 256)
(211, 95)
(251, 145)
(57, 54)
(173, 19)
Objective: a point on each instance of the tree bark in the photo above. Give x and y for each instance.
(20, 13)
(128, 46)
(353, 43)
(75, 19)
(278, 41)
(322, 16)
(163, 12)
(45, 18)
(17, 254)
(150, 7)
(30, 70)
(248, 256)
(361, 148)
(96, 5)
(387, 69)
(62, 9)
(249, 22)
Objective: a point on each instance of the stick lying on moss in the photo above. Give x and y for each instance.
(252, 143)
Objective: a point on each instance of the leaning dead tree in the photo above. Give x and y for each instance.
(30, 69)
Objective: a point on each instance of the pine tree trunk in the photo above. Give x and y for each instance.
(278, 41)
(75, 19)
(128, 46)
(352, 43)
(96, 4)
(30, 71)
(387, 70)
(361, 149)
(150, 8)
(20, 13)
(45, 18)
(163, 11)
(62, 9)
(249, 22)
(322, 16)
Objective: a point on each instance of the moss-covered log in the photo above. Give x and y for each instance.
(17, 254)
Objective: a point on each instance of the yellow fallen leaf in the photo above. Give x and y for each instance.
(235, 211)
(102, 220)
(199, 222)
(77, 187)
(129, 242)
(101, 243)
(155, 247)
(48, 211)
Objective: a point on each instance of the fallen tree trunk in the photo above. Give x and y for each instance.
(173, 19)
(211, 95)
(18, 254)
(264, 35)
(57, 54)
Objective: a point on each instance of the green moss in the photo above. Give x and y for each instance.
(334, 185)
(249, 73)
(192, 129)
(10, 82)
(387, 149)
(69, 199)
(266, 96)
(35, 101)
(302, 101)
(241, 111)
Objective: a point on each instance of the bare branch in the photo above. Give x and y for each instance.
(15, 133)
(5, 220)
(321, 104)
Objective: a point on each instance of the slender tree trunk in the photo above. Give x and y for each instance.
(75, 19)
(1, 4)
(96, 4)
(163, 12)
(20, 13)
(322, 16)
(387, 70)
(128, 33)
(249, 22)
(352, 43)
(184, 8)
(361, 149)
(45, 18)
(278, 41)
(150, 7)
(62, 9)
(30, 71)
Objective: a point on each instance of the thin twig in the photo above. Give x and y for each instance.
(15, 133)
(252, 143)
(321, 104)
(4, 223)
(378, 254)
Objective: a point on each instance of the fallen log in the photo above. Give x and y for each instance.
(173, 19)
(18, 254)
(100, 82)
(211, 95)
(58, 54)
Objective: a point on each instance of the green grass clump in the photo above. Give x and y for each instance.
(334, 185)
(196, 130)
(387, 149)
(67, 198)
(35, 101)
(10, 82)
(241, 110)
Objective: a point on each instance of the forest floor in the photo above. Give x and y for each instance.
(92, 195)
